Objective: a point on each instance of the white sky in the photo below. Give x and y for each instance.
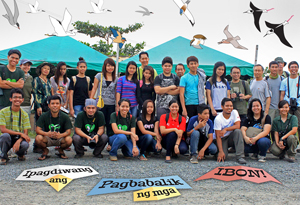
(211, 18)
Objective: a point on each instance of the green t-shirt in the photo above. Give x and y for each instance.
(5, 119)
(140, 73)
(124, 124)
(27, 90)
(12, 77)
(84, 123)
(63, 122)
(240, 106)
(279, 126)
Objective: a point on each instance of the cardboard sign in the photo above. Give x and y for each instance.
(106, 186)
(239, 172)
(155, 193)
(57, 176)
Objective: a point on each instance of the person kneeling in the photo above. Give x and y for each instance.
(123, 132)
(53, 128)
(255, 130)
(14, 125)
(285, 127)
(228, 133)
(201, 129)
(172, 126)
(86, 132)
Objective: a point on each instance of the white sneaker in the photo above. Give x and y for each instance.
(261, 158)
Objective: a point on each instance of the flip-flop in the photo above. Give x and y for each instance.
(44, 156)
(142, 159)
(168, 161)
(22, 158)
(62, 156)
(3, 162)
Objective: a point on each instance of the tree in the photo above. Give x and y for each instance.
(105, 47)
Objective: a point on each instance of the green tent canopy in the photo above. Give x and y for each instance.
(55, 49)
(179, 49)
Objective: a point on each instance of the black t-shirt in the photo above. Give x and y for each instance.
(256, 123)
(108, 83)
(80, 90)
(89, 125)
(148, 125)
(147, 92)
(61, 123)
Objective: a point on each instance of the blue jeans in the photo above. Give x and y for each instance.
(120, 141)
(133, 111)
(146, 143)
(262, 145)
(195, 136)
(78, 109)
(168, 142)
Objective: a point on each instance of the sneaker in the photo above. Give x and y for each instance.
(254, 156)
(98, 156)
(113, 158)
(290, 159)
(242, 161)
(261, 158)
(194, 159)
(78, 156)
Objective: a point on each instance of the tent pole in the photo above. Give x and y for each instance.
(117, 59)
(256, 53)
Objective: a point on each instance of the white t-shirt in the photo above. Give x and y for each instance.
(220, 122)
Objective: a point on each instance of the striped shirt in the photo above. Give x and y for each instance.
(5, 120)
(127, 89)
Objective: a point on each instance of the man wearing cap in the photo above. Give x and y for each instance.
(25, 65)
(281, 64)
(53, 128)
(89, 130)
(10, 77)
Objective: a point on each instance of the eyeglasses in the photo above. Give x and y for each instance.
(17, 97)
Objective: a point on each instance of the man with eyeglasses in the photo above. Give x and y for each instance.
(14, 126)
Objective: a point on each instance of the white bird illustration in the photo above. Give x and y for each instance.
(146, 12)
(231, 40)
(61, 27)
(197, 41)
(184, 9)
(12, 19)
(98, 8)
(34, 8)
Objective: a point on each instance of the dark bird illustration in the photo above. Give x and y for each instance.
(278, 30)
(232, 40)
(118, 37)
(146, 12)
(12, 19)
(257, 14)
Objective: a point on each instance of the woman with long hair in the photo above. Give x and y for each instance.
(147, 130)
(127, 88)
(285, 128)
(108, 91)
(217, 88)
(172, 126)
(60, 84)
(256, 129)
(80, 88)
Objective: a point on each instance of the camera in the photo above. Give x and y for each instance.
(92, 143)
(14, 138)
(293, 104)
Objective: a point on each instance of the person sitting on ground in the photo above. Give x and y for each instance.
(285, 127)
(201, 129)
(14, 126)
(86, 131)
(53, 128)
(123, 132)
(228, 133)
(149, 137)
(255, 130)
(172, 127)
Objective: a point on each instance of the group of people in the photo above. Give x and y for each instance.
(143, 112)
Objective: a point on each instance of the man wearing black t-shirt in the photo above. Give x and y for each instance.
(89, 127)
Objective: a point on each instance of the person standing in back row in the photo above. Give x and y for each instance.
(144, 59)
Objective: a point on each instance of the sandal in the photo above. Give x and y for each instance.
(62, 156)
(23, 158)
(43, 157)
(142, 157)
(3, 162)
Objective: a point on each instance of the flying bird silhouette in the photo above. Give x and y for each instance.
(278, 30)
(146, 12)
(197, 41)
(257, 14)
(98, 8)
(184, 10)
(118, 37)
(12, 19)
(232, 40)
(34, 8)
(61, 27)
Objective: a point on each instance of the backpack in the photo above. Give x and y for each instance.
(168, 116)
(87, 79)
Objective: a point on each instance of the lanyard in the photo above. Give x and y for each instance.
(12, 119)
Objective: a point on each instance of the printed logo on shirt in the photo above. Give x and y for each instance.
(122, 127)
(258, 125)
(54, 128)
(89, 128)
(220, 86)
(61, 90)
(149, 126)
(11, 80)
